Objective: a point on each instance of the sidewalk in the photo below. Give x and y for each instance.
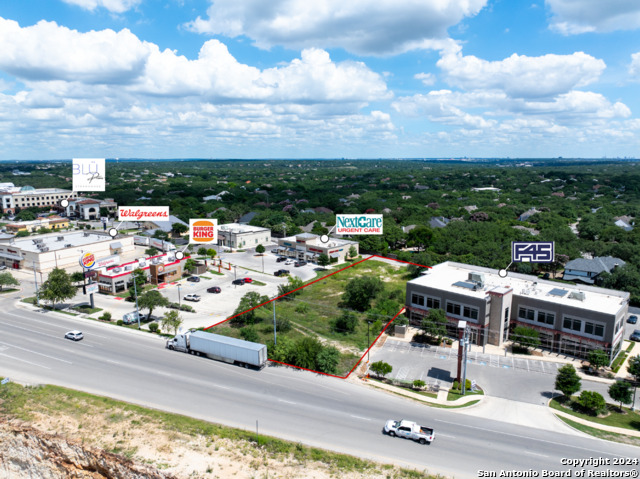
(603, 427)
(441, 399)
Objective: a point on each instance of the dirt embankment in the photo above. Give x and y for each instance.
(28, 453)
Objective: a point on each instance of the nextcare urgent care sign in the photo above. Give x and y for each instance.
(143, 213)
(359, 224)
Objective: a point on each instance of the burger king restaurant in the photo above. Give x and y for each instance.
(164, 268)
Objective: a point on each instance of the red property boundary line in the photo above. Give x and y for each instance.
(309, 284)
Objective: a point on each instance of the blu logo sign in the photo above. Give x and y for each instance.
(88, 174)
(532, 252)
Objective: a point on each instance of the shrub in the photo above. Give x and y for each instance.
(592, 402)
(302, 308)
(186, 307)
(419, 384)
(345, 323)
(249, 334)
(119, 322)
(467, 385)
(106, 316)
(283, 325)
(153, 327)
(381, 368)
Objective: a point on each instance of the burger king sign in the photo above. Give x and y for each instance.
(88, 260)
(203, 231)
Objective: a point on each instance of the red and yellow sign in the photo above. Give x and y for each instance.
(88, 260)
(203, 231)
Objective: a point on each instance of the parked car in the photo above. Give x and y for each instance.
(633, 319)
(194, 279)
(248, 280)
(281, 272)
(74, 335)
(192, 297)
(130, 318)
(280, 259)
(409, 430)
(299, 263)
(238, 282)
(274, 251)
(214, 289)
(2, 267)
(635, 336)
(289, 261)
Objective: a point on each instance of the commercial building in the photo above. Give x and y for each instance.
(61, 250)
(237, 236)
(51, 222)
(159, 269)
(15, 197)
(570, 319)
(308, 247)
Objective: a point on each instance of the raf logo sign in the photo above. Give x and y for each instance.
(532, 252)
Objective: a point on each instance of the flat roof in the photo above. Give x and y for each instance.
(75, 239)
(241, 228)
(450, 277)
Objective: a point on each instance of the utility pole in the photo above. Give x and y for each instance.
(466, 348)
(368, 340)
(275, 339)
(135, 291)
(179, 295)
(35, 279)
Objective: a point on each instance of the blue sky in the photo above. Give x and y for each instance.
(294, 78)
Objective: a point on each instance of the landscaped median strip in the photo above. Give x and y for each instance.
(604, 427)
(440, 401)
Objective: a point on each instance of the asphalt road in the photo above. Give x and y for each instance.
(292, 404)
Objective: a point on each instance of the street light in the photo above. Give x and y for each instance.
(179, 295)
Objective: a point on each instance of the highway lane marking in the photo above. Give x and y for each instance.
(35, 352)
(288, 402)
(112, 362)
(38, 332)
(360, 417)
(23, 360)
(446, 435)
(520, 436)
(535, 454)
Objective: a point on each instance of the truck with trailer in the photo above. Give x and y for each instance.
(221, 348)
(409, 430)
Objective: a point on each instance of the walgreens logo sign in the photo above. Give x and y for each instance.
(359, 224)
(143, 213)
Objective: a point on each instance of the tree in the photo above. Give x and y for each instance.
(306, 352)
(346, 322)
(25, 215)
(7, 279)
(77, 276)
(381, 368)
(246, 310)
(419, 237)
(289, 288)
(202, 251)
(323, 260)
(328, 360)
(352, 252)
(190, 265)
(419, 261)
(592, 401)
(598, 358)
(57, 287)
(567, 380)
(260, 249)
(359, 292)
(139, 277)
(622, 392)
(151, 251)
(211, 253)
(171, 319)
(435, 324)
(179, 228)
(249, 334)
(526, 337)
(633, 367)
(151, 300)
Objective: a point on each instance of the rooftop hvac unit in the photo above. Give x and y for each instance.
(579, 295)
(116, 270)
(127, 268)
(86, 234)
(43, 250)
(60, 238)
(477, 278)
(37, 241)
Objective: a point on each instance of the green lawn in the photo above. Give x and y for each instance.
(8, 290)
(85, 308)
(206, 277)
(629, 420)
(258, 283)
(599, 433)
(456, 394)
(147, 287)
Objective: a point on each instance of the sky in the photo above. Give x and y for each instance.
(319, 79)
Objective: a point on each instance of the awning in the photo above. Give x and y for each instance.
(116, 245)
(335, 255)
(291, 249)
(310, 255)
(10, 256)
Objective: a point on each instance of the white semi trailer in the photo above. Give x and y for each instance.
(221, 348)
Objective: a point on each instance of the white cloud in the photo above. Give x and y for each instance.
(572, 17)
(47, 51)
(634, 67)
(521, 76)
(427, 79)
(366, 27)
(115, 6)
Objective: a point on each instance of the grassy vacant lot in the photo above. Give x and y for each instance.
(179, 444)
(313, 311)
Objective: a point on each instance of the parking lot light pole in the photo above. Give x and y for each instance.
(179, 295)
(135, 291)
(275, 339)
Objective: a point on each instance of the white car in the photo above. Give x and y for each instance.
(409, 430)
(192, 297)
(130, 318)
(289, 261)
(74, 335)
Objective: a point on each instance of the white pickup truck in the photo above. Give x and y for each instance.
(409, 430)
